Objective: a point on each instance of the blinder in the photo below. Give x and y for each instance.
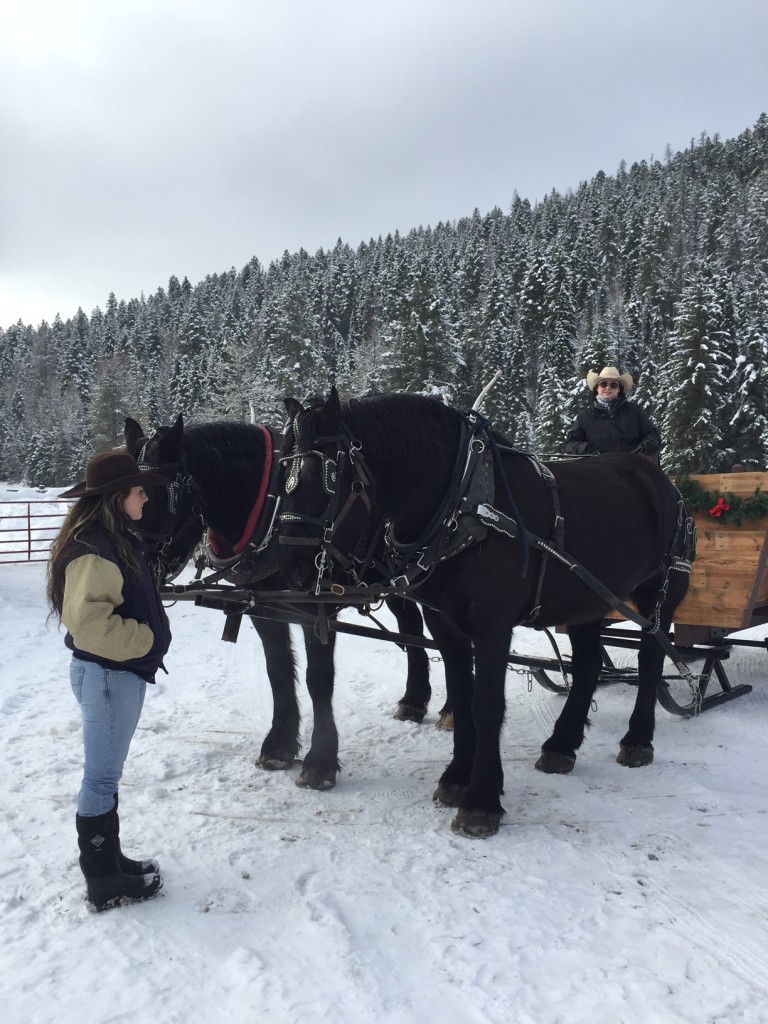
(329, 470)
(331, 519)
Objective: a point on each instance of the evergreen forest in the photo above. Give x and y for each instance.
(660, 269)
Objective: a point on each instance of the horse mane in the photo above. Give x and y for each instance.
(227, 459)
(412, 426)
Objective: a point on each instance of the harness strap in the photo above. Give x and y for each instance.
(413, 571)
(502, 523)
(452, 530)
(370, 560)
(558, 535)
(431, 538)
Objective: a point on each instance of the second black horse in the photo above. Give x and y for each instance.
(465, 512)
(223, 483)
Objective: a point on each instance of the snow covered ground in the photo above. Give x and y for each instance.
(611, 896)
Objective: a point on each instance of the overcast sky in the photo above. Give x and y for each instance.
(145, 138)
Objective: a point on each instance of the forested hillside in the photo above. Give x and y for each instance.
(661, 268)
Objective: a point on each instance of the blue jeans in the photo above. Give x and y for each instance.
(111, 703)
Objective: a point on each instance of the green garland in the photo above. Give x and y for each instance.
(723, 508)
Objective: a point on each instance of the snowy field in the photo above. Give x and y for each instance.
(611, 896)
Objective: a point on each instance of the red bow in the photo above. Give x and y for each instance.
(719, 508)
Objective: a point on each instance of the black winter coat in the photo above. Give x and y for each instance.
(118, 617)
(622, 429)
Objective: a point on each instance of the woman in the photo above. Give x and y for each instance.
(612, 423)
(101, 586)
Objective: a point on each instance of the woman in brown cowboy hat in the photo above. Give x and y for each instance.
(101, 586)
(611, 423)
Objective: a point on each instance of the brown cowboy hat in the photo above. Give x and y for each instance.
(113, 471)
(610, 373)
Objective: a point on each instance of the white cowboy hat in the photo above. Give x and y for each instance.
(610, 373)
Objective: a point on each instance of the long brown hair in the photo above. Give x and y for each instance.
(105, 510)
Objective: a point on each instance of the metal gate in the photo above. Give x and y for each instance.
(28, 527)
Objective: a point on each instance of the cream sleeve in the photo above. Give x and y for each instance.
(93, 588)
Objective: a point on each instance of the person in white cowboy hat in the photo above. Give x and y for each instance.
(611, 423)
(101, 586)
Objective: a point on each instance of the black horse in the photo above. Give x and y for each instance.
(224, 480)
(487, 537)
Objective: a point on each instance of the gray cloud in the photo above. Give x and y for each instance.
(143, 139)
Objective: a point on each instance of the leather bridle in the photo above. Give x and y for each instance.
(176, 523)
(327, 524)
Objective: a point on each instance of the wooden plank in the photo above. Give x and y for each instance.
(741, 484)
(724, 546)
(729, 579)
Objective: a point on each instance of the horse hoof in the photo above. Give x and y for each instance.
(275, 764)
(312, 780)
(445, 722)
(476, 824)
(555, 764)
(448, 795)
(407, 713)
(635, 757)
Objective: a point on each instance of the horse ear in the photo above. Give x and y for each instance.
(333, 404)
(132, 432)
(169, 443)
(293, 407)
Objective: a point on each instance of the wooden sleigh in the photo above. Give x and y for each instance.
(728, 593)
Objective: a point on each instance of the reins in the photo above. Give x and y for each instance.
(503, 524)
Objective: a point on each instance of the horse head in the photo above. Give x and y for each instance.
(170, 524)
(328, 523)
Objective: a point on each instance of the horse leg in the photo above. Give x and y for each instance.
(474, 780)
(456, 651)
(321, 764)
(636, 748)
(480, 810)
(412, 706)
(281, 744)
(558, 753)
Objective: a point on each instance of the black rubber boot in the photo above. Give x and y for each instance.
(131, 867)
(108, 886)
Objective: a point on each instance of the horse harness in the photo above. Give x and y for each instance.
(464, 519)
(333, 517)
(160, 541)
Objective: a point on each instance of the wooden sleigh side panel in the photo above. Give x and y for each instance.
(729, 582)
